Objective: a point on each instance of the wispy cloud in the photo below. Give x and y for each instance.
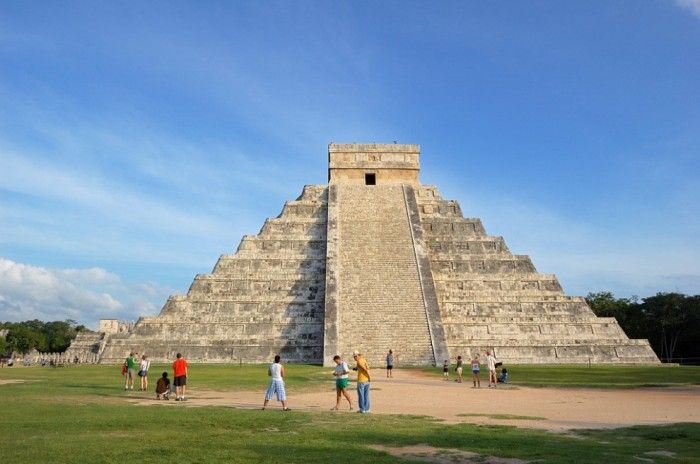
(125, 190)
(85, 295)
(691, 5)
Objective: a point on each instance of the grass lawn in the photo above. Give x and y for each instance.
(597, 376)
(79, 414)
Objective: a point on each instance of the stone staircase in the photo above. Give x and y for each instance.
(265, 299)
(379, 294)
(492, 299)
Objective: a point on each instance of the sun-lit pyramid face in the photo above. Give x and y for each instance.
(373, 261)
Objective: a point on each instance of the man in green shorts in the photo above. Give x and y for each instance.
(341, 381)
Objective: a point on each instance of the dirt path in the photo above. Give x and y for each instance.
(556, 409)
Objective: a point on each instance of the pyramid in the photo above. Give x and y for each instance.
(373, 261)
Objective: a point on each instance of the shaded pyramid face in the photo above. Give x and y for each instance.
(374, 261)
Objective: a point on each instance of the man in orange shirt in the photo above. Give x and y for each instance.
(180, 374)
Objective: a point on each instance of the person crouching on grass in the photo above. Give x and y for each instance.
(341, 381)
(277, 374)
(163, 387)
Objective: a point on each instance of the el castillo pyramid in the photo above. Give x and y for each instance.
(372, 260)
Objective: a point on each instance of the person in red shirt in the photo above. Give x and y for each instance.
(180, 374)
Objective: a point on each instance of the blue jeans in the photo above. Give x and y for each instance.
(363, 396)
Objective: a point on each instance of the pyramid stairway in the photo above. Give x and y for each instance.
(380, 285)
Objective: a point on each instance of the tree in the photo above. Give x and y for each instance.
(53, 336)
(671, 314)
(4, 348)
(670, 321)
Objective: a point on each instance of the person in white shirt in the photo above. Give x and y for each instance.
(276, 373)
(491, 364)
(143, 372)
(341, 381)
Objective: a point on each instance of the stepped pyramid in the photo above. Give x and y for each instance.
(375, 260)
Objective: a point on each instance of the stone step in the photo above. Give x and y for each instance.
(380, 298)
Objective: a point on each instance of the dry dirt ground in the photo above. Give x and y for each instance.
(555, 409)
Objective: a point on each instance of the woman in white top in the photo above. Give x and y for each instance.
(143, 372)
(491, 364)
(341, 381)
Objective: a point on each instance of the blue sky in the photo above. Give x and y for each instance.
(140, 142)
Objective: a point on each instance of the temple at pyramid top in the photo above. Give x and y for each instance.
(371, 261)
(378, 162)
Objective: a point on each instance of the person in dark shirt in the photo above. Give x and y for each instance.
(163, 387)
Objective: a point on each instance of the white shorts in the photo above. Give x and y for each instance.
(276, 387)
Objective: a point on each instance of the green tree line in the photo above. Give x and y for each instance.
(670, 321)
(22, 337)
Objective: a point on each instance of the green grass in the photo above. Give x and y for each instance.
(79, 414)
(597, 376)
(503, 416)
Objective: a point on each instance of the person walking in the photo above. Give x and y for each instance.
(491, 365)
(130, 373)
(276, 386)
(476, 369)
(180, 377)
(458, 370)
(341, 381)
(143, 372)
(389, 364)
(363, 379)
(446, 370)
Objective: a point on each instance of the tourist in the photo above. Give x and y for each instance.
(503, 376)
(476, 369)
(163, 387)
(180, 375)
(389, 364)
(458, 370)
(130, 371)
(341, 381)
(363, 379)
(446, 370)
(277, 374)
(491, 364)
(143, 372)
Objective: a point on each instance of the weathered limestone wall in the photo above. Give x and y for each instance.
(266, 299)
(389, 163)
(85, 347)
(492, 299)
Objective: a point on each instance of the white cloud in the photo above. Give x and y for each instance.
(691, 5)
(85, 295)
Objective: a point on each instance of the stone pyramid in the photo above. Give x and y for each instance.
(371, 261)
